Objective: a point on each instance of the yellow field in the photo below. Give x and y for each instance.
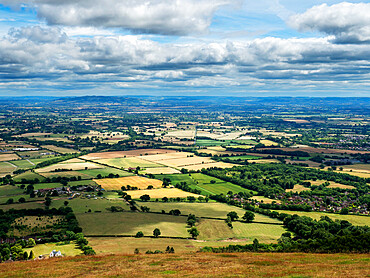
(161, 170)
(269, 143)
(160, 193)
(139, 182)
(164, 157)
(118, 154)
(297, 188)
(70, 166)
(8, 157)
(355, 173)
(332, 184)
(265, 200)
(264, 161)
(187, 161)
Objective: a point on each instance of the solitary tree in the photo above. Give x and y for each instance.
(156, 232)
(145, 198)
(139, 234)
(248, 216)
(66, 203)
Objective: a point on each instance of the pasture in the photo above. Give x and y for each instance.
(121, 154)
(129, 162)
(210, 229)
(211, 209)
(83, 205)
(105, 172)
(45, 249)
(67, 174)
(298, 188)
(28, 176)
(7, 168)
(129, 223)
(137, 181)
(161, 170)
(358, 220)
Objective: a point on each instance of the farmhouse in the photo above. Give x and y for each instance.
(55, 253)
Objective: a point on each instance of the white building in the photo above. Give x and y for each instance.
(55, 253)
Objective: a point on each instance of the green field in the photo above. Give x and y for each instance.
(6, 168)
(245, 141)
(215, 210)
(203, 182)
(67, 174)
(129, 223)
(358, 220)
(23, 164)
(31, 205)
(105, 172)
(80, 205)
(28, 176)
(46, 248)
(6, 190)
(218, 229)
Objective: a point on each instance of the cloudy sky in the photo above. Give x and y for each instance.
(185, 47)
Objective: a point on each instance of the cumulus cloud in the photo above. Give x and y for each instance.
(48, 57)
(166, 17)
(347, 22)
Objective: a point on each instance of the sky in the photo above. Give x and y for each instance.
(185, 47)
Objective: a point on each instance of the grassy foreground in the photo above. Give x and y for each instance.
(196, 265)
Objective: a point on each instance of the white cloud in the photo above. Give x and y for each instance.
(166, 17)
(348, 22)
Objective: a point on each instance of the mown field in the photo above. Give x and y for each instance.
(129, 223)
(137, 181)
(196, 265)
(80, 205)
(161, 193)
(45, 249)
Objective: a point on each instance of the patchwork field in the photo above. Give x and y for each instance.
(197, 167)
(120, 154)
(67, 174)
(28, 176)
(129, 223)
(6, 168)
(60, 149)
(139, 182)
(9, 157)
(130, 162)
(160, 193)
(70, 166)
(105, 172)
(161, 170)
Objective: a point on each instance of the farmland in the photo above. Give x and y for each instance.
(70, 166)
(160, 193)
(134, 181)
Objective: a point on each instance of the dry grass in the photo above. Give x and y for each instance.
(139, 182)
(165, 157)
(196, 265)
(9, 157)
(264, 161)
(160, 193)
(297, 188)
(332, 184)
(321, 150)
(209, 165)
(60, 149)
(355, 173)
(70, 166)
(269, 143)
(143, 152)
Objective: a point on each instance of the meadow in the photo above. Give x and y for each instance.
(129, 162)
(196, 265)
(129, 223)
(45, 249)
(81, 205)
(160, 193)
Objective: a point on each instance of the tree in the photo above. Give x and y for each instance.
(139, 234)
(193, 231)
(156, 232)
(233, 215)
(47, 201)
(31, 256)
(21, 200)
(10, 201)
(66, 203)
(31, 242)
(25, 256)
(248, 216)
(145, 198)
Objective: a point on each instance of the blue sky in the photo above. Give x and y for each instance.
(185, 47)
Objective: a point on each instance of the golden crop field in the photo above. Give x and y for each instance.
(186, 161)
(129, 162)
(60, 149)
(139, 182)
(332, 184)
(8, 157)
(70, 166)
(160, 193)
(164, 157)
(269, 143)
(297, 188)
